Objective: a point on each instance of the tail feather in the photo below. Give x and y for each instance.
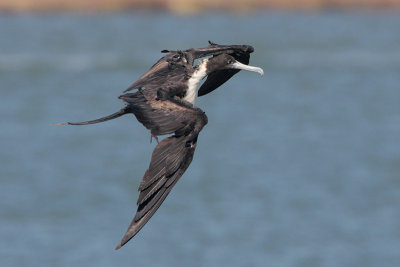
(106, 118)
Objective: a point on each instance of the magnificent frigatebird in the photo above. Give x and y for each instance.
(164, 104)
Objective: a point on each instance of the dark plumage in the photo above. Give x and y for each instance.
(177, 66)
(170, 159)
(164, 104)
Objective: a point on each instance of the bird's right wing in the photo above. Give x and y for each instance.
(159, 73)
(170, 159)
(215, 49)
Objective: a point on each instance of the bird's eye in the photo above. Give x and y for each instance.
(230, 61)
(177, 56)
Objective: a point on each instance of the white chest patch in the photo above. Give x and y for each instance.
(194, 82)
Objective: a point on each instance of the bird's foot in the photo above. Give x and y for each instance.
(155, 137)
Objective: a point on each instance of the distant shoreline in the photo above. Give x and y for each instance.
(189, 6)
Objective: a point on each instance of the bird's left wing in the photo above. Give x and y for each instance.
(170, 159)
(218, 78)
(215, 79)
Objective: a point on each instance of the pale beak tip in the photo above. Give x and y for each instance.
(241, 66)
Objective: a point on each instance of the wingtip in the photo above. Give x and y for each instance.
(250, 49)
(128, 236)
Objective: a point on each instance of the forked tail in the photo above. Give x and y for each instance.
(106, 118)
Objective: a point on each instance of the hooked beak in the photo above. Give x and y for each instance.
(240, 66)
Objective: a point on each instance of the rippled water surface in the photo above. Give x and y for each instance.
(300, 167)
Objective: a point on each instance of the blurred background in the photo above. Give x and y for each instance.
(299, 167)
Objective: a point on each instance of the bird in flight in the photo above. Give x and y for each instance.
(164, 104)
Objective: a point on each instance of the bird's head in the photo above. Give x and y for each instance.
(225, 61)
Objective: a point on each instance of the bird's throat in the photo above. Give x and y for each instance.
(194, 81)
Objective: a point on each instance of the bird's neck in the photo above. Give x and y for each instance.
(193, 83)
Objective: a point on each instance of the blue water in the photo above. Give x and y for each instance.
(300, 167)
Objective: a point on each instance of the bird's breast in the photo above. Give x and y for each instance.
(194, 81)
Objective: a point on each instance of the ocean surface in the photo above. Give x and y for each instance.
(300, 167)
